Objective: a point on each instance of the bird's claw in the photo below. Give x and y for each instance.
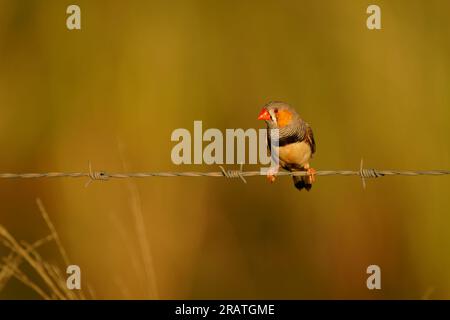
(272, 174)
(311, 175)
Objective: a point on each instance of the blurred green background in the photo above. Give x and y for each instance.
(113, 92)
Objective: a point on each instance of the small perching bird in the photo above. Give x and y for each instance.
(296, 144)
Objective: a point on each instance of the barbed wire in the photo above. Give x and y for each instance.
(92, 175)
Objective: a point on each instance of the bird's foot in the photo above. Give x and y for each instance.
(272, 174)
(311, 175)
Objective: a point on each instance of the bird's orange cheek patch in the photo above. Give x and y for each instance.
(283, 118)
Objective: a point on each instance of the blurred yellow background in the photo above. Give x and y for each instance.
(113, 92)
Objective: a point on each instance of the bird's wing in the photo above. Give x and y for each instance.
(309, 138)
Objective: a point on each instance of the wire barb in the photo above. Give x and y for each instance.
(367, 173)
(95, 175)
(234, 173)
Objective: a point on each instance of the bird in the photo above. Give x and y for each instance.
(296, 144)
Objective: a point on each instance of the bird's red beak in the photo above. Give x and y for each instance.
(264, 115)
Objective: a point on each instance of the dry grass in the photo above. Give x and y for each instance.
(53, 280)
(49, 280)
(145, 251)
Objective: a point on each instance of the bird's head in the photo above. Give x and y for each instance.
(278, 114)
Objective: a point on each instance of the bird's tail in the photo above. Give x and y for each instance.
(302, 182)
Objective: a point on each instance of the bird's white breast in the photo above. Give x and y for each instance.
(295, 154)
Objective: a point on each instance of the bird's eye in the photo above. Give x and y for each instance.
(276, 110)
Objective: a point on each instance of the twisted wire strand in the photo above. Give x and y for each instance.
(92, 175)
(101, 175)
